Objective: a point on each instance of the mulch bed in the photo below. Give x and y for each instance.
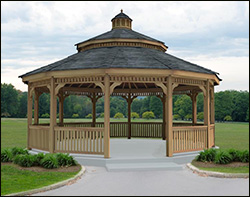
(41, 169)
(212, 165)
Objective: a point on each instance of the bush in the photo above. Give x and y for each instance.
(101, 115)
(176, 117)
(6, 155)
(148, 115)
(222, 157)
(25, 160)
(134, 115)
(45, 115)
(19, 151)
(236, 155)
(89, 116)
(119, 115)
(244, 156)
(49, 161)
(65, 160)
(207, 155)
(228, 118)
(39, 158)
(75, 116)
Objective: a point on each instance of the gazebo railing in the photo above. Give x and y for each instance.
(39, 137)
(189, 138)
(85, 140)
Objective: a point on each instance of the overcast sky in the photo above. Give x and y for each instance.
(214, 35)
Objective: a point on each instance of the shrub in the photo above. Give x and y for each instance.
(45, 115)
(101, 115)
(228, 118)
(75, 116)
(49, 161)
(244, 156)
(148, 115)
(65, 160)
(236, 154)
(6, 155)
(207, 155)
(89, 116)
(222, 157)
(19, 151)
(118, 115)
(134, 115)
(176, 117)
(188, 117)
(25, 160)
(39, 158)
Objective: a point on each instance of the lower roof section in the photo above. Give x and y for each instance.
(122, 57)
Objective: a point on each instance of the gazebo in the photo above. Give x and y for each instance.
(120, 62)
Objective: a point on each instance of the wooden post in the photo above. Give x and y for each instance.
(106, 116)
(164, 117)
(61, 103)
(52, 115)
(36, 107)
(94, 99)
(212, 105)
(207, 113)
(129, 115)
(194, 108)
(169, 117)
(29, 115)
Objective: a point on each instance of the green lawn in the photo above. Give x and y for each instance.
(14, 180)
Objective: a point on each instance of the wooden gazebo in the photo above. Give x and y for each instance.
(120, 62)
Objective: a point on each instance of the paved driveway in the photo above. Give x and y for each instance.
(98, 182)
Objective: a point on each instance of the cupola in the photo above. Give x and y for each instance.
(121, 20)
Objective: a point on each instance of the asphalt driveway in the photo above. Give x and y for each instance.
(98, 182)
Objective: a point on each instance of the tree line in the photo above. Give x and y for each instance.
(230, 105)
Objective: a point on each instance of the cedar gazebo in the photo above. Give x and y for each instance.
(120, 62)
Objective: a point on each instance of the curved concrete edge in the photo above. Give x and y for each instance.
(216, 174)
(53, 186)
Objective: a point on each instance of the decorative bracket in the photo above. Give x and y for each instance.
(112, 87)
(163, 87)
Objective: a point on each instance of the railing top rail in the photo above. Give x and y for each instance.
(98, 129)
(39, 127)
(189, 127)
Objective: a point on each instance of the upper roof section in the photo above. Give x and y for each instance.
(121, 35)
(121, 20)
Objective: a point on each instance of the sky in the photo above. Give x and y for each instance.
(214, 34)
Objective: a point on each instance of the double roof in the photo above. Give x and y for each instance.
(122, 56)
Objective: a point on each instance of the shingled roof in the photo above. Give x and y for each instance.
(121, 33)
(121, 57)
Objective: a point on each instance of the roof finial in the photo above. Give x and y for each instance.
(121, 10)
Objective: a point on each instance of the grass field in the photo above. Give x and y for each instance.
(227, 135)
(14, 180)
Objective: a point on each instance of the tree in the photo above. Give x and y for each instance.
(148, 115)
(183, 106)
(9, 100)
(134, 115)
(119, 115)
(200, 116)
(247, 116)
(155, 106)
(136, 105)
